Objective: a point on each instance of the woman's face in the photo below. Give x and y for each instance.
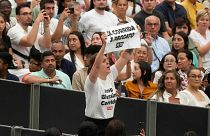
(2, 24)
(183, 28)
(122, 6)
(169, 62)
(194, 78)
(74, 43)
(96, 39)
(140, 54)
(203, 22)
(178, 42)
(136, 72)
(105, 66)
(170, 82)
(183, 62)
(34, 65)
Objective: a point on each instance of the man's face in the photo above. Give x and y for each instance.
(49, 64)
(152, 25)
(149, 4)
(58, 50)
(5, 8)
(25, 17)
(49, 9)
(100, 4)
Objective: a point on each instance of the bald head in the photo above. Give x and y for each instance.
(58, 49)
(152, 25)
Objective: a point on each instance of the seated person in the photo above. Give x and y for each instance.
(49, 76)
(5, 63)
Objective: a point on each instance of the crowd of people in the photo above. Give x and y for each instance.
(61, 44)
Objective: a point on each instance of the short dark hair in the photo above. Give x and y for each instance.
(115, 128)
(92, 49)
(43, 2)
(88, 128)
(189, 54)
(53, 132)
(45, 54)
(23, 5)
(180, 21)
(36, 55)
(146, 73)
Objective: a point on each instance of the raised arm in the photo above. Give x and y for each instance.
(123, 60)
(29, 39)
(45, 40)
(94, 72)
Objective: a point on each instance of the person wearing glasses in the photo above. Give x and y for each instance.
(168, 62)
(23, 36)
(196, 96)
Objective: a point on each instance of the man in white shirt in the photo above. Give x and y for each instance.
(23, 36)
(97, 19)
(57, 27)
(159, 45)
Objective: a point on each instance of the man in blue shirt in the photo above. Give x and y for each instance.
(171, 10)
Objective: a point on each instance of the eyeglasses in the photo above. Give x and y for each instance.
(152, 24)
(34, 64)
(196, 76)
(171, 61)
(26, 13)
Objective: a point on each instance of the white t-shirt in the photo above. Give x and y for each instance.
(101, 96)
(53, 26)
(193, 100)
(183, 99)
(16, 33)
(93, 22)
(202, 41)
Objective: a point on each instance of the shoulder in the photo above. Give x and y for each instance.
(12, 77)
(152, 85)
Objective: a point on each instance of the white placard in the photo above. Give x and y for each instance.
(122, 37)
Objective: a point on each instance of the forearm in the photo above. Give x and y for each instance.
(32, 35)
(29, 79)
(56, 36)
(46, 40)
(203, 50)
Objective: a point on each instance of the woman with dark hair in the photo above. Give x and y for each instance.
(76, 49)
(141, 86)
(196, 96)
(168, 62)
(180, 42)
(185, 59)
(96, 39)
(182, 24)
(115, 128)
(168, 89)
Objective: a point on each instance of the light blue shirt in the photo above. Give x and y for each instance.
(65, 84)
(160, 47)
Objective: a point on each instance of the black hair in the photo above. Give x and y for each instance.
(88, 128)
(45, 54)
(82, 43)
(189, 55)
(115, 128)
(43, 2)
(53, 132)
(4, 32)
(7, 59)
(186, 41)
(92, 49)
(146, 73)
(180, 21)
(36, 55)
(161, 68)
(23, 5)
(7, 17)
